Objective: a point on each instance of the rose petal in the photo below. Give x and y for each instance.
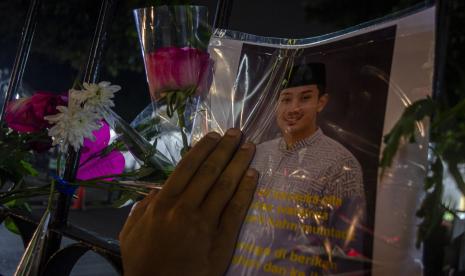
(27, 114)
(174, 68)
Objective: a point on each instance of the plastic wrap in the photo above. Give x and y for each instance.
(322, 206)
(163, 131)
(174, 41)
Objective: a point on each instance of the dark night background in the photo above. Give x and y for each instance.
(64, 33)
(65, 30)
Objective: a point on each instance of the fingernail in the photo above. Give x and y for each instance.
(247, 146)
(251, 172)
(214, 135)
(133, 208)
(233, 132)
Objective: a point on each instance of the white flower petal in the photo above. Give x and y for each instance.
(104, 84)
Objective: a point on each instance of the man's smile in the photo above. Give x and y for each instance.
(297, 109)
(292, 119)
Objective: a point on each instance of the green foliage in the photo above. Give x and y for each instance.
(11, 226)
(27, 167)
(447, 128)
(405, 128)
(151, 174)
(9, 222)
(125, 197)
(431, 211)
(447, 134)
(15, 155)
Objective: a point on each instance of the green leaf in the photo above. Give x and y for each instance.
(450, 114)
(147, 173)
(405, 128)
(431, 210)
(125, 197)
(429, 182)
(15, 204)
(28, 167)
(456, 174)
(11, 226)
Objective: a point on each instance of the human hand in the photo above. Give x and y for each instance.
(190, 227)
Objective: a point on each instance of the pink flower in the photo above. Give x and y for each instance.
(91, 164)
(27, 114)
(174, 68)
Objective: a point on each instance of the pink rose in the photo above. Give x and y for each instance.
(27, 114)
(174, 68)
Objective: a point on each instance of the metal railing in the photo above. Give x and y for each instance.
(60, 261)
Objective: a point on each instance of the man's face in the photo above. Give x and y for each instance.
(297, 110)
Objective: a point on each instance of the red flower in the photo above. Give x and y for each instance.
(27, 114)
(174, 68)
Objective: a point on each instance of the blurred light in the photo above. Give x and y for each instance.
(448, 216)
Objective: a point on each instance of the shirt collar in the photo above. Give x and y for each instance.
(302, 143)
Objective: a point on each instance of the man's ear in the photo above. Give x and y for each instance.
(322, 101)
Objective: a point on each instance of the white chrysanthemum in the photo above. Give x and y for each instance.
(70, 127)
(75, 100)
(97, 97)
(76, 97)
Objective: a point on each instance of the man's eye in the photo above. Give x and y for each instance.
(285, 100)
(308, 97)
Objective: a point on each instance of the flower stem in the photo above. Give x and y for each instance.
(24, 193)
(50, 197)
(182, 125)
(58, 164)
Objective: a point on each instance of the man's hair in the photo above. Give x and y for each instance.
(306, 74)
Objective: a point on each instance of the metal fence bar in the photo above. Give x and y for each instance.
(99, 41)
(222, 14)
(433, 254)
(440, 55)
(22, 54)
(59, 223)
(60, 216)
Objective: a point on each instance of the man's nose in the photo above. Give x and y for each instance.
(294, 106)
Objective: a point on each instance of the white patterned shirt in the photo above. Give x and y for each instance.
(307, 198)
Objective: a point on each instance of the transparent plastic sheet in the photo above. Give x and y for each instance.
(163, 131)
(322, 206)
(174, 41)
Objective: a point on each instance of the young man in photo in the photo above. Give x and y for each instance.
(310, 203)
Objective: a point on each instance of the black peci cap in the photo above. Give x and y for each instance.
(305, 74)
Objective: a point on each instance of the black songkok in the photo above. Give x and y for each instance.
(305, 74)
